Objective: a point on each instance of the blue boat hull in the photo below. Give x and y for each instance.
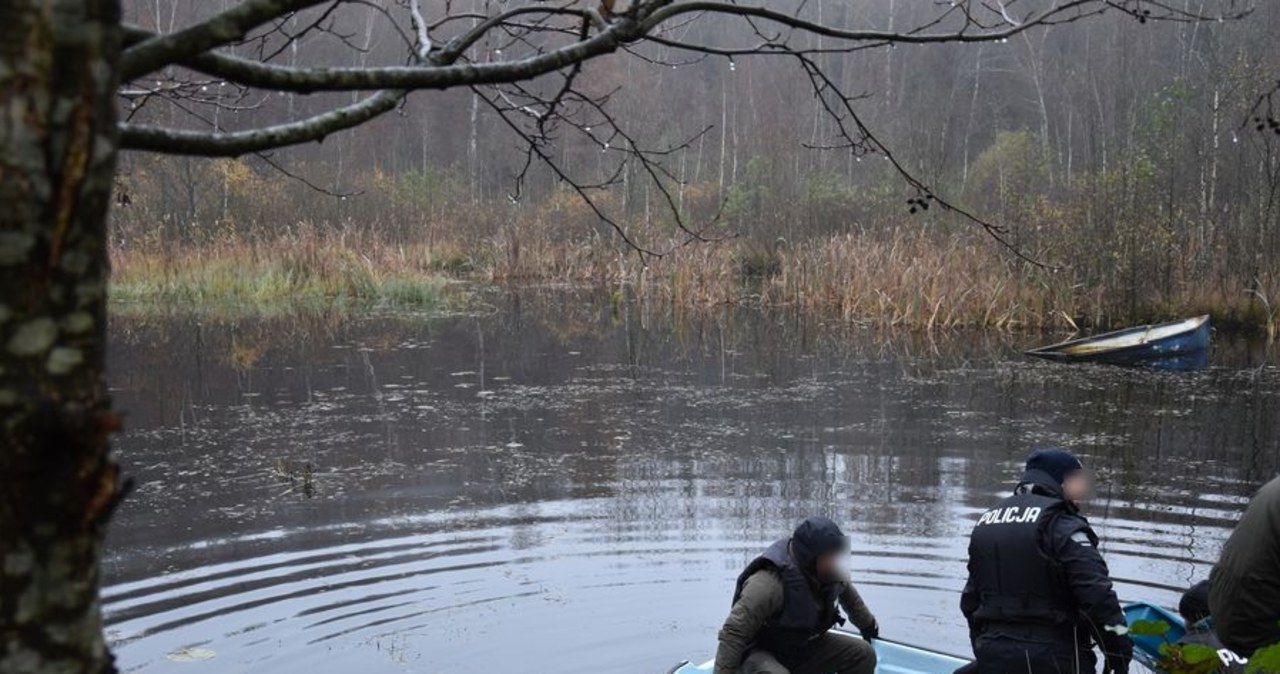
(1146, 648)
(1191, 344)
(898, 658)
(892, 658)
(1180, 345)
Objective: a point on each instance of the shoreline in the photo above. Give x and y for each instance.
(906, 280)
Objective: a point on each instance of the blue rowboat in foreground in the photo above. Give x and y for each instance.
(1146, 647)
(1177, 345)
(900, 658)
(893, 658)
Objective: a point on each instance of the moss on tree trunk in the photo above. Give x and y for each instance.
(58, 60)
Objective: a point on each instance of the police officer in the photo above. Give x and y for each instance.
(784, 604)
(1039, 593)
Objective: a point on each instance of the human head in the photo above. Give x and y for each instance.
(1194, 605)
(817, 546)
(1064, 468)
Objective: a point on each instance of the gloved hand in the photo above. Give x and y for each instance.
(871, 631)
(1117, 663)
(1117, 649)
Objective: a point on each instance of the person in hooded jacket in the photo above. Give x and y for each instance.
(784, 605)
(1198, 618)
(1246, 580)
(1039, 594)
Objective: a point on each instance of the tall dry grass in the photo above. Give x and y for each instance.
(906, 279)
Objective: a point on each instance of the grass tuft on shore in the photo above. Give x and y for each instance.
(311, 272)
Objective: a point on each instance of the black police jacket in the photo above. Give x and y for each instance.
(1035, 572)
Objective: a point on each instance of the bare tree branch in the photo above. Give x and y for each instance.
(236, 143)
(420, 26)
(149, 55)
(232, 25)
(1071, 10)
(425, 77)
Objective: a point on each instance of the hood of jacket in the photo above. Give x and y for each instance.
(815, 537)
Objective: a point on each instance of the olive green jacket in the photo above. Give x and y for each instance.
(762, 598)
(1245, 598)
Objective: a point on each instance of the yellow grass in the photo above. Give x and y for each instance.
(304, 269)
(902, 280)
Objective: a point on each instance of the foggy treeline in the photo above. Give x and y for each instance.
(1124, 152)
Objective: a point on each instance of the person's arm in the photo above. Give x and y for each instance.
(970, 602)
(761, 598)
(858, 612)
(1090, 583)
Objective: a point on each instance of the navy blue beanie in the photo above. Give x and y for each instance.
(1056, 462)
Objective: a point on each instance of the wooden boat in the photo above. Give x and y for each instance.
(892, 657)
(1178, 342)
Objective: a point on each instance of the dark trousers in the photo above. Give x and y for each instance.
(828, 654)
(1003, 655)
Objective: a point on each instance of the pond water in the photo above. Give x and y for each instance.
(561, 485)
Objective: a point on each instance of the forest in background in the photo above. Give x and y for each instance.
(1122, 156)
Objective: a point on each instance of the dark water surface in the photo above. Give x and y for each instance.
(557, 486)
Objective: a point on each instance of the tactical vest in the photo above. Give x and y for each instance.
(1018, 580)
(804, 615)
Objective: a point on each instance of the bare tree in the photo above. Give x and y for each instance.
(69, 69)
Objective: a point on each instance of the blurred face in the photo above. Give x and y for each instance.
(834, 566)
(1078, 486)
(826, 567)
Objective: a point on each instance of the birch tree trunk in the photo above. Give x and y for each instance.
(58, 60)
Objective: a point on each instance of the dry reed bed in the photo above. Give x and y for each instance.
(907, 279)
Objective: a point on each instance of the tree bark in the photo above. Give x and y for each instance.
(58, 63)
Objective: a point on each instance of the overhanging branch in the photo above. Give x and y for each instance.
(423, 77)
(234, 24)
(1071, 10)
(236, 143)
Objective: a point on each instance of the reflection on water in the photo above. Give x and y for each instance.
(559, 486)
